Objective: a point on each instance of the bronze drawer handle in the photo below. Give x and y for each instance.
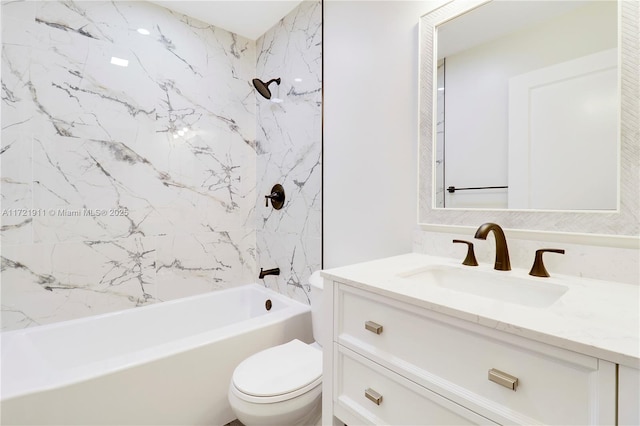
(373, 327)
(503, 379)
(373, 396)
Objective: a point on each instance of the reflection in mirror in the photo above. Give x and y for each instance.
(623, 222)
(528, 107)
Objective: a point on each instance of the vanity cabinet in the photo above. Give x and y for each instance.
(628, 396)
(394, 362)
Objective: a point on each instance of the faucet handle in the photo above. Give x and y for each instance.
(538, 269)
(277, 197)
(470, 260)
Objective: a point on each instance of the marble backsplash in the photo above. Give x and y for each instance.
(123, 186)
(582, 260)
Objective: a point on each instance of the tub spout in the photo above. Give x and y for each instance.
(274, 271)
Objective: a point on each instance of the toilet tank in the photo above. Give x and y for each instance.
(317, 285)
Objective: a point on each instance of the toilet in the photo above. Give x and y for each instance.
(282, 385)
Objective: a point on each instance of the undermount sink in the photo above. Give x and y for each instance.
(498, 285)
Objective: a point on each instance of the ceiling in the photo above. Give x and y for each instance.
(497, 19)
(248, 18)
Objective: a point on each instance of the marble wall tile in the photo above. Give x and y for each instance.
(176, 148)
(168, 140)
(296, 256)
(15, 163)
(44, 283)
(290, 150)
(193, 264)
(16, 141)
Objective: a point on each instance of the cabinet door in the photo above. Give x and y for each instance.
(628, 396)
(367, 393)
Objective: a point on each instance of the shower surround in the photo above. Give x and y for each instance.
(129, 185)
(289, 149)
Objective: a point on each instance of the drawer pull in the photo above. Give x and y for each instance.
(373, 396)
(503, 379)
(373, 327)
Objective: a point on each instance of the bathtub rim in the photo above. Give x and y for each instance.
(46, 378)
(152, 306)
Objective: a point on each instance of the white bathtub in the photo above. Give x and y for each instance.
(168, 363)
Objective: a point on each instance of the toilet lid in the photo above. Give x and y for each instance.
(279, 370)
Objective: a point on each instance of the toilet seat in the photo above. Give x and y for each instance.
(279, 373)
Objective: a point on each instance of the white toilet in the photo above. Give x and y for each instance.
(282, 385)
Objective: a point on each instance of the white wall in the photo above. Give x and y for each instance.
(370, 128)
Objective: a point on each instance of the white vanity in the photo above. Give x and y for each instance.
(415, 342)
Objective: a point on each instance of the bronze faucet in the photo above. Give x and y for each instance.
(538, 269)
(502, 262)
(274, 271)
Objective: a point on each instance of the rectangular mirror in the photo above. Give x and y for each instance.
(534, 103)
(528, 90)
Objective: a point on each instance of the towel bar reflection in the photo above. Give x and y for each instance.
(453, 189)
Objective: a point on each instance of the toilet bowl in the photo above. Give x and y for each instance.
(282, 385)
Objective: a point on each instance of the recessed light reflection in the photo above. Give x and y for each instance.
(183, 133)
(119, 61)
(297, 80)
(144, 31)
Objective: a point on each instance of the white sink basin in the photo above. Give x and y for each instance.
(498, 285)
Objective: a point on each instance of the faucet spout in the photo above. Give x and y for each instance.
(502, 262)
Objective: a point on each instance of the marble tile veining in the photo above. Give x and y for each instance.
(289, 150)
(134, 166)
(121, 183)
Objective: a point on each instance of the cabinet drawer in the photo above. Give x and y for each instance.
(453, 358)
(392, 400)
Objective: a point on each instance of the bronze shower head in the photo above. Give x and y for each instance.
(263, 88)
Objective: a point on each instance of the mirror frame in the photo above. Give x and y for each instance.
(625, 221)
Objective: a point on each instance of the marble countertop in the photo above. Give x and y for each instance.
(596, 318)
